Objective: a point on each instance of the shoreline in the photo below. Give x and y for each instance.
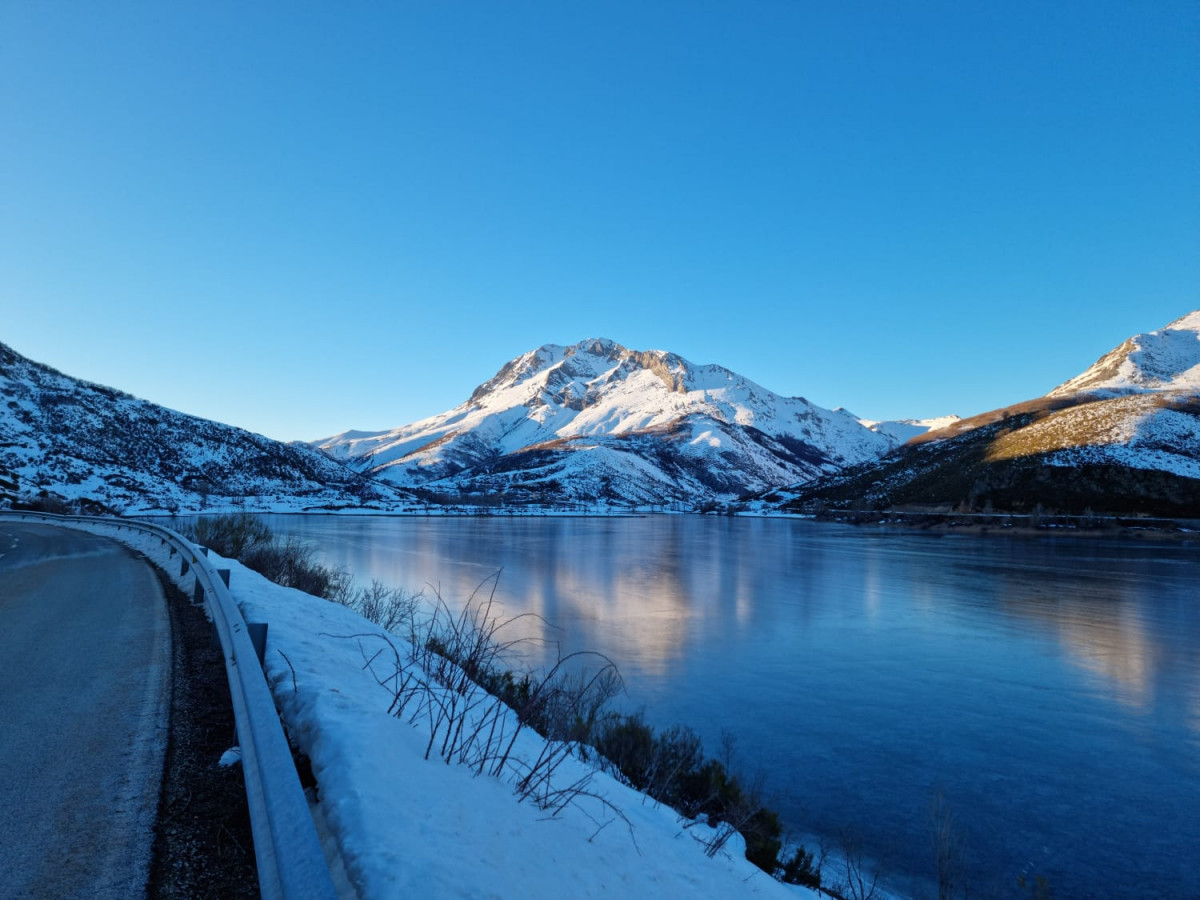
(941, 523)
(1021, 524)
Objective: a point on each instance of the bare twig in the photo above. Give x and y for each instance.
(295, 689)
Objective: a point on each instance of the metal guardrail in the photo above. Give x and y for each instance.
(291, 864)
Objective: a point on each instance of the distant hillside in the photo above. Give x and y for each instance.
(69, 440)
(1122, 437)
(901, 430)
(597, 422)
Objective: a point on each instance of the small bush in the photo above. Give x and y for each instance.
(454, 656)
(390, 608)
(671, 768)
(801, 868)
(627, 743)
(763, 834)
(289, 562)
(234, 535)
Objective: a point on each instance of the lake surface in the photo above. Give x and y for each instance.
(1049, 688)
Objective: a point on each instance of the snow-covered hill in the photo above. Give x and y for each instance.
(1159, 361)
(1137, 406)
(596, 421)
(1123, 436)
(67, 439)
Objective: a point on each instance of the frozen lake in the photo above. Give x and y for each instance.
(1049, 688)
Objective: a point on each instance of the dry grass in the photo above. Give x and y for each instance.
(1090, 424)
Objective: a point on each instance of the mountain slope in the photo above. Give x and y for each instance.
(1122, 437)
(1164, 360)
(596, 421)
(72, 440)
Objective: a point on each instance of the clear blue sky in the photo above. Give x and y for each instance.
(307, 217)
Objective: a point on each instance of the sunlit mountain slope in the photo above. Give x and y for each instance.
(1123, 436)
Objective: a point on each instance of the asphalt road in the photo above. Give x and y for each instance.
(85, 664)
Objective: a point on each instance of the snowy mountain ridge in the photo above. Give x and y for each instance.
(1123, 436)
(596, 420)
(1163, 360)
(70, 440)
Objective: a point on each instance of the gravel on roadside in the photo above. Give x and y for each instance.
(202, 846)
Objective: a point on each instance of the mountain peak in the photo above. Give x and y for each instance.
(581, 362)
(1190, 322)
(602, 347)
(1163, 360)
(548, 356)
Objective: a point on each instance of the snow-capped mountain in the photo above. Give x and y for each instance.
(1159, 361)
(1123, 436)
(597, 421)
(66, 439)
(901, 430)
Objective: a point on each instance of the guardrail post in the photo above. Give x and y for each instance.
(198, 593)
(258, 637)
(224, 573)
(183, 569)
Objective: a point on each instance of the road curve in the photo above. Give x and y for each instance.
(85, 663)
